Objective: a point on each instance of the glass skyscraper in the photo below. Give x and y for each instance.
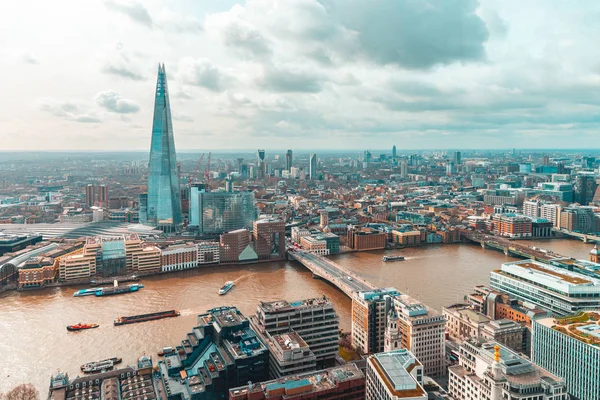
(164, 197)
(220, 212)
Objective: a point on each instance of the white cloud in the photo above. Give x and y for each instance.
(114, 102)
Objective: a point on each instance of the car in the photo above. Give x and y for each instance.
(349, 278)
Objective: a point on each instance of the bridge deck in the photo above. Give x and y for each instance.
(346, 280)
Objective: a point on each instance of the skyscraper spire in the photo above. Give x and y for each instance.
(164, 196)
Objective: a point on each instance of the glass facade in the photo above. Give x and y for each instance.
(219, 212)
(164, 197)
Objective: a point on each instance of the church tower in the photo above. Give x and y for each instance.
(595, 254)
(392, 333)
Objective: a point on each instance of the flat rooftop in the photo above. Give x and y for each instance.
(283, 305)
(395, 367)
(289, 341)
(583, 326)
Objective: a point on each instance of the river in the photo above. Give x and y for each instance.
(35, 343)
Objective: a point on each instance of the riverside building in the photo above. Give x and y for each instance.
(554, 289)
(369, 311)
(315, 320)
(569, 347)
(490, 371)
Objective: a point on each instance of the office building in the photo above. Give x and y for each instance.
(90, 195)
(366, 239)
(269, 239)
(345, 382)
(551, 288)
(102, 195)
(261, 164)
(551, 213)
(164, 197)
(208, 253)
(580, 219)
(289, 355)
(569, 347)
(394, 152)
(312, 167)
(457, 158)
(179, 257)
(394, 375)
(512, 226)
(219, 212)
(315, 320)
(416, 327)
(289, 161)
(369, 313)
(235, 247)
(584, 187)
(220, 353)
(403, 169)
(488, 370)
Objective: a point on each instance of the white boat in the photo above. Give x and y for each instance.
(226, 287)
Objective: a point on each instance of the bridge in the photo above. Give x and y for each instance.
(508, 247)
(346, 280)
(583, 236)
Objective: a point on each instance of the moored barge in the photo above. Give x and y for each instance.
(146, 317)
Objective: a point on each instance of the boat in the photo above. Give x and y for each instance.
(118, 289)
(80, 326)
(392, 258)
(85, 292)
(226, 287)
(146, 317)
(102, 365)
(165, 351)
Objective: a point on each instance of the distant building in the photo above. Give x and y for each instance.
(512, 226)
(394, 152)
(235, 247)
(289, 160)
(345, 382)
(584, 187)
(489, 371)
(457, 158)
(569, 347)
(220, 212)
(179, 257)
(394, 375)
(366, 239)
(579, 219)
(312, 167)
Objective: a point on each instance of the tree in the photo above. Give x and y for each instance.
(25, 391)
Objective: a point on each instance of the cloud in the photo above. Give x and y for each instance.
(69, 110)
(414, 34)
(179, 116)
(291, 79)
(178, 23)
(134, 10)
(239, 33)
(122, 71)
(203, 72)
(115, 103)
(30, 58)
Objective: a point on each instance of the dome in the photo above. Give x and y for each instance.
(595, 251)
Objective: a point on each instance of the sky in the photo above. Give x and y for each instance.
(301, 74)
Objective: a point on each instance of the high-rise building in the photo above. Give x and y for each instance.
(414, 326)
(584, 188)
(269, 238)
(289, 160)
(395, 375)
(551, 288)
(394, 152)
(90, 195)
(315, 320)
(220, 212)
(369, 312)
(569, 348)
(403, 169)
(489, 371)
(262, 165)
(164, 196)
(312, 168)
(103, 195)
(457, 158)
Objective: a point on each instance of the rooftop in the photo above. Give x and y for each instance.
(395, 367)
(283, 305)
(583, 326)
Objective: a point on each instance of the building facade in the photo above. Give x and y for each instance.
(219, 212)
(164, 197)
(394, 375)
(269, 239)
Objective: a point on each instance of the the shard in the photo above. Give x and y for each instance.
(163, 206)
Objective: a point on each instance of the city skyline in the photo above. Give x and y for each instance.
(262, 76)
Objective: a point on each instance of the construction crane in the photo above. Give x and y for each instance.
(207, 173)
(192, 176)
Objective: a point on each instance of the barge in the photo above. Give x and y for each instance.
(146, 317)
(392, 258)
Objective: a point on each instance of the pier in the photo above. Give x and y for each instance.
(509, 248)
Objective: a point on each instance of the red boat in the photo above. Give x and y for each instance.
(80, 326)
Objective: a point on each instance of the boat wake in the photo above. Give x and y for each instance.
(243, 277)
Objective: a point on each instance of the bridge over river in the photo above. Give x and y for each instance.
(346, 280)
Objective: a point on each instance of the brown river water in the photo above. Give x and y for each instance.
(34, 342)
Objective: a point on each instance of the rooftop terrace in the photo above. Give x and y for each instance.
(283, 305)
